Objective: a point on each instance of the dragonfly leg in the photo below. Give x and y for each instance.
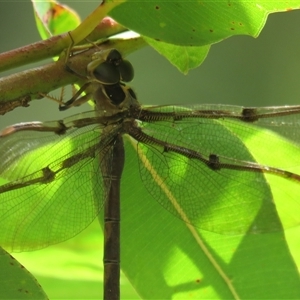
(76, 100)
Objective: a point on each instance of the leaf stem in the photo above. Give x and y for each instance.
(54, 46)
(91, 21)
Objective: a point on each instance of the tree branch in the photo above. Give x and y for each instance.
(20, 88)
(54, 46)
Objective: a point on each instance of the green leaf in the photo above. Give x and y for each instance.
(53, 18)
(180, 262)
(264, 145)
(158, 249)
(195, 23)
(165, 258)
(16, 281)
(184, 58)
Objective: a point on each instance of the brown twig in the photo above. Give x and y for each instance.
(54, 46)
(20, 88)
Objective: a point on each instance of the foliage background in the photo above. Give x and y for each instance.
(240, 70)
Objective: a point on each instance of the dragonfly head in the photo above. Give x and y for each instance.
(109, 68)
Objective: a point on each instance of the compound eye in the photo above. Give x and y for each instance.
(126, 71)
(115, 93)
(106, 73)
(114, 57)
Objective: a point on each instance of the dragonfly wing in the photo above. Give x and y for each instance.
(225, 201)
(50, 197)
(276, 148)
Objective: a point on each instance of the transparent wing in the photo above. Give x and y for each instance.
(49, 196)
(228, 201)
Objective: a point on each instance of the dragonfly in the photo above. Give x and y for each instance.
(60, 174)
